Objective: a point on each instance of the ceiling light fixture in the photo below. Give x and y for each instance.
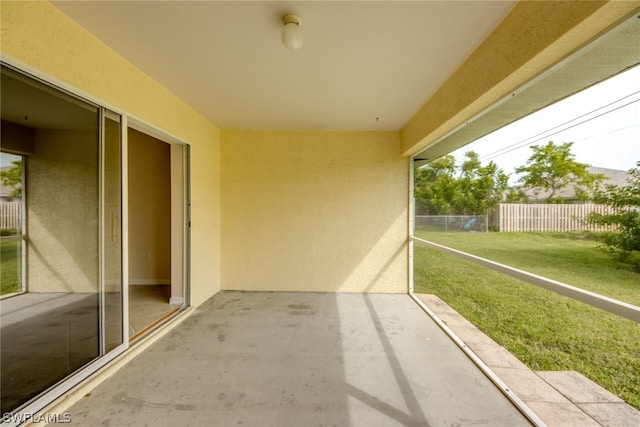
(292, 36)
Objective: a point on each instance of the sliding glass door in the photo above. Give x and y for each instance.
(111, 239)
(67, 311)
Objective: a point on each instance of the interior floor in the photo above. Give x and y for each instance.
(293, 359)
(148, 304)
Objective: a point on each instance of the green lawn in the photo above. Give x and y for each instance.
(10, 272)
(544, 330)
(566, 257)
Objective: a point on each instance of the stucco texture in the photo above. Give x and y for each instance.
(62, 207)
(314, 211)
(37, 36)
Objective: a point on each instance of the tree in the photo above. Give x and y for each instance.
(435, 186)
(480, 188)
(624, 242)
(442, 188)
(515, 195)
(12, 178)
(552, 168)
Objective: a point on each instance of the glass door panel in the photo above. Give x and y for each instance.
(112, 233)
(66, 255)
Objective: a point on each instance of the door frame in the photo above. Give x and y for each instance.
(50, 395)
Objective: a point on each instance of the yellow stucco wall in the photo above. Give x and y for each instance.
(314, 211)
(38, 35)
(62, 211)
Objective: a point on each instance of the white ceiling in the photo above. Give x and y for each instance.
(364, 65)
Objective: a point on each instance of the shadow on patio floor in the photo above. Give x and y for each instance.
(292, 359)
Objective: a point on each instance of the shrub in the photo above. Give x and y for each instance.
(624, 242)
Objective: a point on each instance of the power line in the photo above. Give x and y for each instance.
(608, 133)
(546, 134)
(531, 140)
(562, 130)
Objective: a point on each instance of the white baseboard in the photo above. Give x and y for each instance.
(176, 301)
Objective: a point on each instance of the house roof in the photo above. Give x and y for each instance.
(614, 177)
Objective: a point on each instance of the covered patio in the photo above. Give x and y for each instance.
(292, 359)
(294, 222)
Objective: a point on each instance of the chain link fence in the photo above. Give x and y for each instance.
(452, 223)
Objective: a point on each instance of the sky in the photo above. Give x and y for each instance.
(603, 122)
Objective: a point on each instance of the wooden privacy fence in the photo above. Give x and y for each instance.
(10, 215)
(545, 217)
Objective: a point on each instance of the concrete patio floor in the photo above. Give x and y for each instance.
(300, 359)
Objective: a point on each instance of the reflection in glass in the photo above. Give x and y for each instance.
(11, 215)
(11, 265)
(53, 328)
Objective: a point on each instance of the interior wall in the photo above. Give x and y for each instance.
(38, 36)
(17, 139)
(62, 211)
(149, 210)
(314, 211)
